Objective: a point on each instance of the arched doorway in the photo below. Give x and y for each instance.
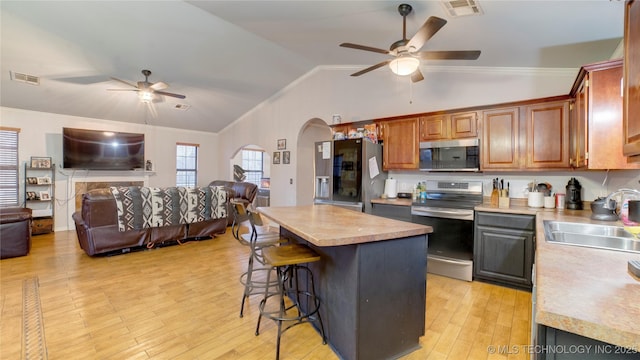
(312, 131)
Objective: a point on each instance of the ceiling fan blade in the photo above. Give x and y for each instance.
(417, 76)
(428, 29)
(170, 94)
(124, 82)
(123, 89)
(365, 48)
(159, 86)
(450, 55)
(371, 68)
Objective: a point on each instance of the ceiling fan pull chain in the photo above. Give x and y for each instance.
(410, 91)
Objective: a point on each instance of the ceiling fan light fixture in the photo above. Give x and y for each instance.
(404, 65)
(145, 96)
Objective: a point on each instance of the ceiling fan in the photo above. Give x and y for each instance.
(147, 90)
(405, 52)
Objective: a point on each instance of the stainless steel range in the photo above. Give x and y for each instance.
(448, 208)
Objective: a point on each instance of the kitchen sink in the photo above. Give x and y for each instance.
(591, 235)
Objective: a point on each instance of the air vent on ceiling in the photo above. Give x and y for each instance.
(25, 78)
(462, 7)
(182, 107)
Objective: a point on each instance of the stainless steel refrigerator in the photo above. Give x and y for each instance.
(348, 173)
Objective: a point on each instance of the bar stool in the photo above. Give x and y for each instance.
(256, 240)
(288, 261)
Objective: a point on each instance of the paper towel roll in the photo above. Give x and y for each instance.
(391, 188)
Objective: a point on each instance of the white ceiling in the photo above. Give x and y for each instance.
(229, 56)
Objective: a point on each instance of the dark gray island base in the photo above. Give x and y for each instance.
(371, 278)
(373, 296)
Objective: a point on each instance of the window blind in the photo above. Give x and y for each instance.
(9, 167)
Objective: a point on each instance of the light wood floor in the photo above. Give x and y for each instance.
(182, 302)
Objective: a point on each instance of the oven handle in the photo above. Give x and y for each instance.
(458, 214)
(449, 261)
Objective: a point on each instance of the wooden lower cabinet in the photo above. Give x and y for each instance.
(400, 149)
(504, 249)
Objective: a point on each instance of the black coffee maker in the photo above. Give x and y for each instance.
(573, 200)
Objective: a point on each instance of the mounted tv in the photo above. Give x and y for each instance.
(102, 150)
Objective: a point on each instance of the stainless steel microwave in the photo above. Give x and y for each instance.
(450, 155)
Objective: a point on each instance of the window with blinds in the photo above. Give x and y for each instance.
(252, 165)
(186, 165)
(9, 167)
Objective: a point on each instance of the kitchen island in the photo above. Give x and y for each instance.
(371, 279)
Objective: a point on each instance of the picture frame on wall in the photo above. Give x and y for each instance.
(282, 144)
(41, 162)
(286, 157)
(44, 196)
(276, 157)
(32, 180)
(31, 195)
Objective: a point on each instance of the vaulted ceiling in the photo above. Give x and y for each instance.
(229, 56)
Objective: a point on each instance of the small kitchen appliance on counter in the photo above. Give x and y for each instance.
(391, 188)
(573, 198)
(600, 212)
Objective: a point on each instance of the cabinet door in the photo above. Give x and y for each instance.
(632, 80)
(503, 255)
(435, 127)
(605, 120)
(578, 128)
(500, 139)
(464, 125)
(400, 149)
(548, 135)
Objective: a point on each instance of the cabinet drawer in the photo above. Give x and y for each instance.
(41, 226)
(396, 212)
(511, 221)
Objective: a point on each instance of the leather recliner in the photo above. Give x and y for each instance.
(244, 192)
(15, 232)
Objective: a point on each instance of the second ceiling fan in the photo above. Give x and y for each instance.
(405, 52)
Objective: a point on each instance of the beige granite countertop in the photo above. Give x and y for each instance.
(328, 225)
(581, 290)
(587, 291)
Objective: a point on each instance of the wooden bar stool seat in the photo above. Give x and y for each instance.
(291, 303)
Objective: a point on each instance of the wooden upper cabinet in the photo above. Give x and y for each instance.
(500, 139)
(464, 125)
(449, 126)
(400, 149)
(600, 106)
(436, 127)
(578, 127)
(631, 116)
(547, 134)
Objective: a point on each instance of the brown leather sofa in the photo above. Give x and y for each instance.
(244, 192)
(15, 232)
(97, 227)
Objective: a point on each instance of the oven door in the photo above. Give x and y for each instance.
(450, 246)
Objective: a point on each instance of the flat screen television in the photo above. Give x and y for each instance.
(101, 150)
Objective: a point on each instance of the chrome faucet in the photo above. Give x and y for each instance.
(619, 191)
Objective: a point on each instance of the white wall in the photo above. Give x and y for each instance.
(41, 135)
(326, 91)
